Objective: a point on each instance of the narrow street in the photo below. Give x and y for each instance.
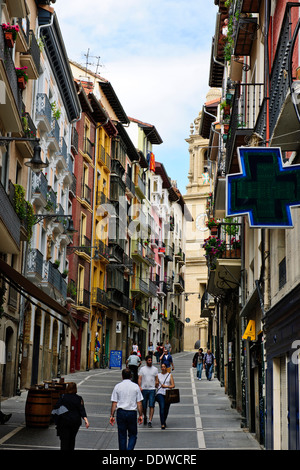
(202, 420)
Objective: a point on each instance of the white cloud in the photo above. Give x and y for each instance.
(156, 54)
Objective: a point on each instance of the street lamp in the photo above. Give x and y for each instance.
(36, 163)
(70, 229)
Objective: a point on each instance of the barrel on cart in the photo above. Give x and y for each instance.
(38, 408)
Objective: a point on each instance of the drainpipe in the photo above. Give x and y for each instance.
(266, 233)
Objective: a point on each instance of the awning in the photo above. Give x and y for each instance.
(23, 285)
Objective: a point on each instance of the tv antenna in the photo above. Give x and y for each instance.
(87, 63)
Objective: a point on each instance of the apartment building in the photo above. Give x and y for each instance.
(255, 62)
(39, 108)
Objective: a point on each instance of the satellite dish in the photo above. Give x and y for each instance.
(187, 320)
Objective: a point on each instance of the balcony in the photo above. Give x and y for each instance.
(152, 288)
(102, 250)
(10, 94)
(26, 148)
(137, 251)
(85, 247)
(130, 188)
(17, 8)
(39, 189)
(250, 6)
(74, 141)
(86, 193)
(149, 256)
(52, 278)
(104, 158)
(179, 282)
(84, 298)
(282, 115)
(32, 58)
(246, 33)
(62, 154)
(88, 149)
(224, 271)
(10, 224)
(116, 252)
(43, 112)
(179, 256)
(73, 185)
(140, 187)
(247, 102)
(35, 263)
(100, 297)
(140, 287)
(53, 136)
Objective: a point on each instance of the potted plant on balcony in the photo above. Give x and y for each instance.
(214, 248)
(22, 77)
(56, 264)
(65, 273)
(10, 32)
(236, 246)
(212, 224)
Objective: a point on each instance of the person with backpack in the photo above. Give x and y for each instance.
(209, 361)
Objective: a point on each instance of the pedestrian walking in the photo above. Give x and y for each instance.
(158, 352)
(198, 362)
(209, 362)
(167, 359)
(135, 347)
(148, 380)
(68, 413)
(150, 349)
(127, 399)
(168, 347)
(165, 381)
(133, 363)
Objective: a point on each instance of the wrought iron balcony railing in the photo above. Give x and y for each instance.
(247, 102)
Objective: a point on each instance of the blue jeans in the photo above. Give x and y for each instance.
(199, 370)
(209, 369)
(127, 424)
(149, 395)
(163, 408)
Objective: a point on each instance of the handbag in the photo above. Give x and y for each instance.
(172, 396)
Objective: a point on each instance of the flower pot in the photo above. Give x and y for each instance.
(213, 230)
(21, 83)
(9, 41)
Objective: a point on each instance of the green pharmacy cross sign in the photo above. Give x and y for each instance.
(264, 189)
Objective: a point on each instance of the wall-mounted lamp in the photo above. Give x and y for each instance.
(70, 230)
(36, 163)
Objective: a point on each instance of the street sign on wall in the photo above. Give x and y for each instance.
(265, 190)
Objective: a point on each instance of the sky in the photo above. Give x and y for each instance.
(156, 54)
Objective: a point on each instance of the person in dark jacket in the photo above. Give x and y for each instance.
(68, 412)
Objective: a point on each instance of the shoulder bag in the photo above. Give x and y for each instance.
(172, 396)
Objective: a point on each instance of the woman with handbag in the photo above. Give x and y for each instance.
(165, 382)
(69, 411)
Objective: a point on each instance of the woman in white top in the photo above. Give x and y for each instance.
(166, 381)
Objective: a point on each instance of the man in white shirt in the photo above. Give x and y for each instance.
(148, 381)
(126, 398)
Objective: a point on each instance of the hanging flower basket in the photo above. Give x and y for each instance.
(212, 224)
(10, 34)
(22, 77)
